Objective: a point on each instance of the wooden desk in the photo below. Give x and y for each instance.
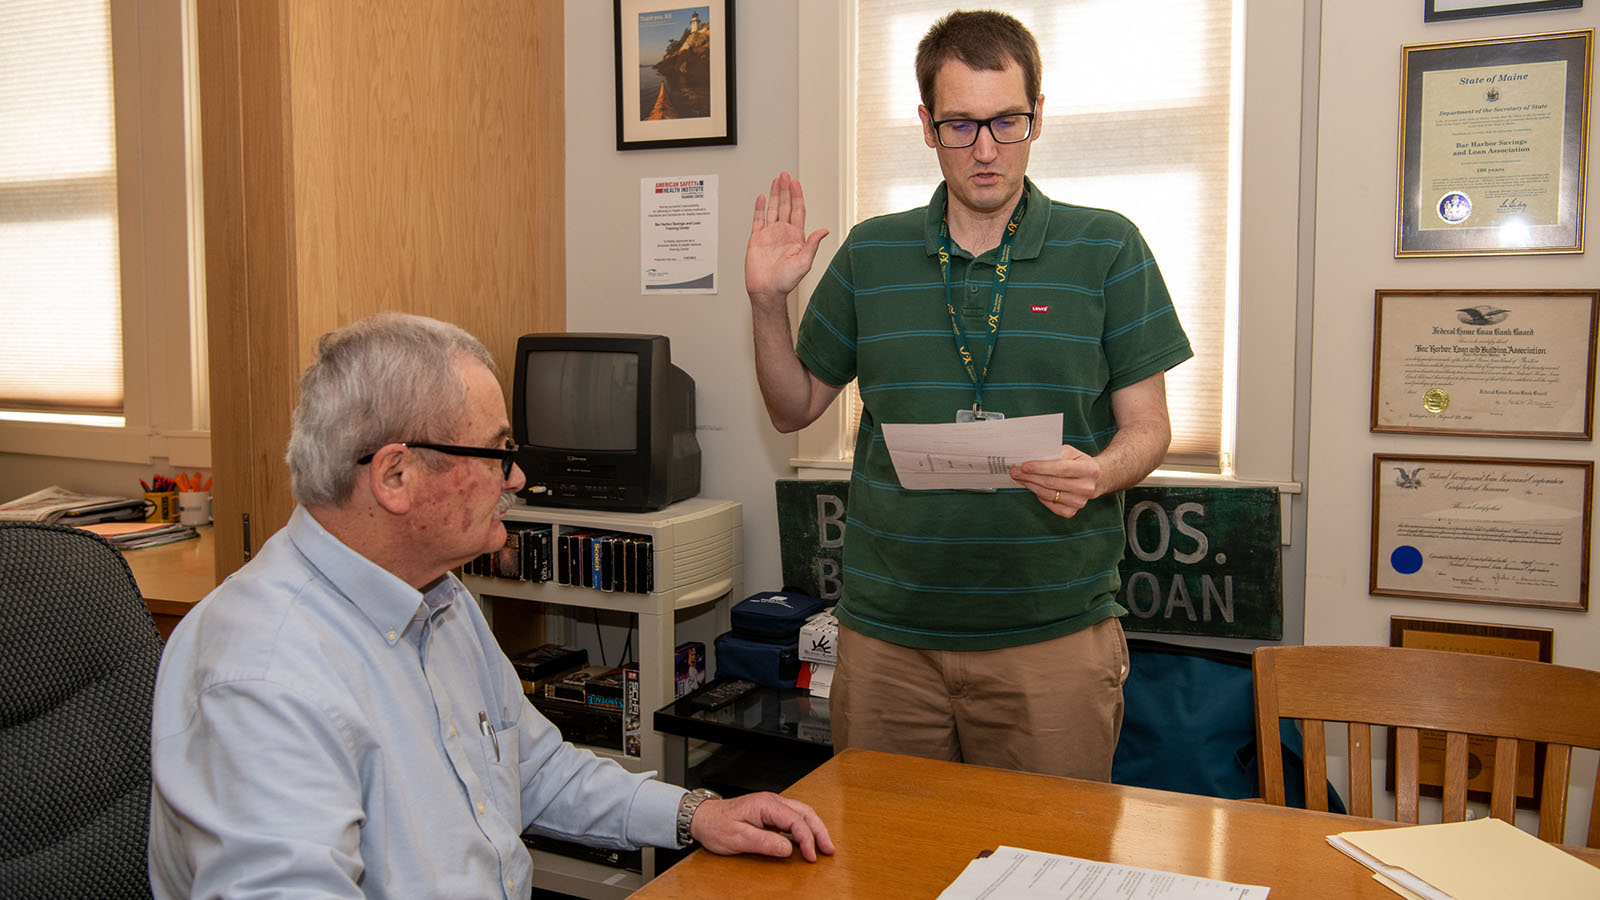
(174, 577)
(906, 827)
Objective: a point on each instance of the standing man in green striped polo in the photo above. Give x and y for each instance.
(977, 626)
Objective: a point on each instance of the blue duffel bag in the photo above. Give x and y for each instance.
(1189, 724)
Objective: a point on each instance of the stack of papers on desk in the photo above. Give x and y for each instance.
(1030, 875)
(1482, 858)
(136, 535)
(56, 504)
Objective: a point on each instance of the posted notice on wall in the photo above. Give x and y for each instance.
(678, 235)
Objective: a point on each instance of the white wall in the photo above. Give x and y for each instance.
(1356, 177)
(1356, 171)
(742, 454)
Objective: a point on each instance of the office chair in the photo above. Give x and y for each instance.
(1411, 690)
(78, 657)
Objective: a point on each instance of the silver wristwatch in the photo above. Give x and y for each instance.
(686, 807)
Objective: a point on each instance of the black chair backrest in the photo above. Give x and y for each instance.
(78, 658)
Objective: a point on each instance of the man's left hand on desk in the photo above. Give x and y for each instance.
(761, 823)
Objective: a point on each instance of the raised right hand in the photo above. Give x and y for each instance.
(780, 252)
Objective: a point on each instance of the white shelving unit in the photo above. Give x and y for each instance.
(698, 550)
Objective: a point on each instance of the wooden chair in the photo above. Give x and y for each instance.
(1460, 694)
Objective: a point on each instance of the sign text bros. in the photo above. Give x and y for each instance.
(1203, 561)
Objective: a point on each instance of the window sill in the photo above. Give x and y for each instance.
(1180, 478)
(182, 449)
(821, 469)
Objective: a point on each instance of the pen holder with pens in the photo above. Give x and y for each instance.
(162, 506)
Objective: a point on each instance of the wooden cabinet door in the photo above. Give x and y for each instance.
(364, 156)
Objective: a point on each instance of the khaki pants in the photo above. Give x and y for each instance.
(1053, 707)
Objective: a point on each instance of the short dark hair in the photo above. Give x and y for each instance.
(983, 39)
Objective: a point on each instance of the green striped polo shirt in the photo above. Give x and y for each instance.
(1086, 313)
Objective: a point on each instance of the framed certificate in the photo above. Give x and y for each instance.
(1511, 531)
(1485, 363)
(1483, 639)
(1445, 10)
(1493, 140)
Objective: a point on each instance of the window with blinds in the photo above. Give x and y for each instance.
(1139, 118)
(60, 299)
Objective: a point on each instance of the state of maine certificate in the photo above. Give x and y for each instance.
(1492, 145)
(1493, 140)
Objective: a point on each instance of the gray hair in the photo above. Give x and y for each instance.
(389, 377)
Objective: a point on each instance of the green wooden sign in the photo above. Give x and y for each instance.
(1199, 560)
(1203, 560)
(811, 536)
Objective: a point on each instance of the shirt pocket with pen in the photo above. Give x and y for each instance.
(498, 743)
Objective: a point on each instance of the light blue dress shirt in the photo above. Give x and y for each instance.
(316, 731)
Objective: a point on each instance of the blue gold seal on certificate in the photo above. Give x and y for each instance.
(1455, 207)
(1436, 400)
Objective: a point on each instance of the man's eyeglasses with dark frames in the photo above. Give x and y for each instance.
(506, 454)
(1011, 128)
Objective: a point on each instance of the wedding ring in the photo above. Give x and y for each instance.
(1056, 498)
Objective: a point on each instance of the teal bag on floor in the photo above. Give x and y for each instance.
(1189, 725)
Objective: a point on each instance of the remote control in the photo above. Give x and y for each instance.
(718, 696)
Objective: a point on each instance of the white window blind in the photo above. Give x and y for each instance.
(60, 303)
(1138, 119)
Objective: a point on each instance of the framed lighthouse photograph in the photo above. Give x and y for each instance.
(674, 74)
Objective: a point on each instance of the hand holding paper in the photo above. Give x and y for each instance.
(1064, 483)
(973, 456)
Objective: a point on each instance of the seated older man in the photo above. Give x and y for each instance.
(337, 720)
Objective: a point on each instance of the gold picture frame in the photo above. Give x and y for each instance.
(1493, 144)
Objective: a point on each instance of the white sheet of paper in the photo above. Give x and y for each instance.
(973, 456)
(678, 235)
(821, 680)
(1030, 875)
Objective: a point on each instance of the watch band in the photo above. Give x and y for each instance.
(686, 807)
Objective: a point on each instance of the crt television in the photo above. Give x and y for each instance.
(605, 421)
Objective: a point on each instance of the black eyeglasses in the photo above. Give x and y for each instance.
(1010, 128)
(506, 454)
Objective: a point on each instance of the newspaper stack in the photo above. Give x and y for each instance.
(59, 505)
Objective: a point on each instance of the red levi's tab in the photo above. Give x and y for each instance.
(1039, 308)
